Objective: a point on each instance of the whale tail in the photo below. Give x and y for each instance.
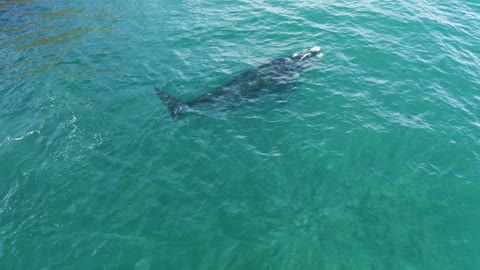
(175, 106)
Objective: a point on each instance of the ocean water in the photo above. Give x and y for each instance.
(370, 161)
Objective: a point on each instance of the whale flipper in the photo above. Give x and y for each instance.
(175, 106)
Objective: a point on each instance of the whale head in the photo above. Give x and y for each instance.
(307, 54)
(303, 59)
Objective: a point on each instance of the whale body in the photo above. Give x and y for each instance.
(271, 77)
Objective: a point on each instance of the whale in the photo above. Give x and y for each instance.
(272, 77)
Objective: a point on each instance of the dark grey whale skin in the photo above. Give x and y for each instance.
(251, 84)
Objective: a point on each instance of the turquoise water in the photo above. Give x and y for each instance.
(370, 161)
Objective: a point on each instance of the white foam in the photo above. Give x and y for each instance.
(315, 49)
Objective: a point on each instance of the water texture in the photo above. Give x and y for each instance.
(370, 161)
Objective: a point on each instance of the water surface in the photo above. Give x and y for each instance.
(371, 161)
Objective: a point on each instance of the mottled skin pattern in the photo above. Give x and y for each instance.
(267, 78)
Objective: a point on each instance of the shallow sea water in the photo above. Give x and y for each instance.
(370, 161)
